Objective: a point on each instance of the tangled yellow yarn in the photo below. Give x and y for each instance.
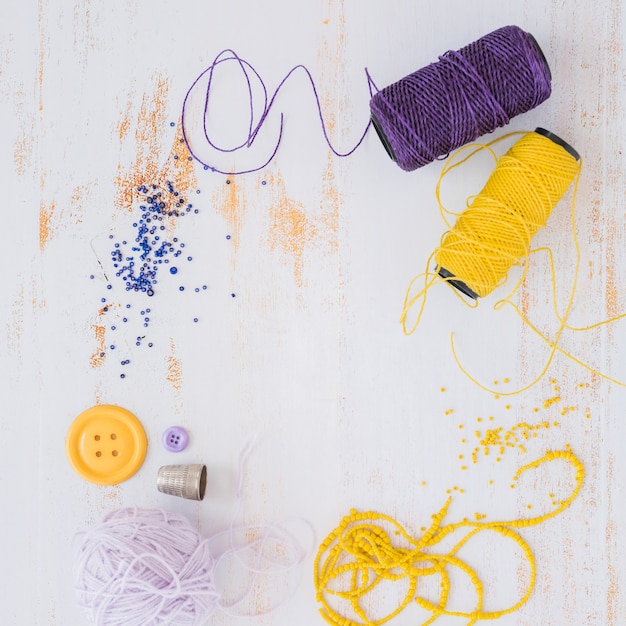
(362, 552)
(494, 234)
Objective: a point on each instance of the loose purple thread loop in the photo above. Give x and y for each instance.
(464, 95)
(253, 128)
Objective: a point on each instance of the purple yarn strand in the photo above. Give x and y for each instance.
(464, 95)
(248, 71)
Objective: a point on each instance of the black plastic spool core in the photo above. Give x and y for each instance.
(460, 285)
(543, 56)
(383, 139)
(558, 141)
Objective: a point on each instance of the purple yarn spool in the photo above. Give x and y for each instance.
(464, 95)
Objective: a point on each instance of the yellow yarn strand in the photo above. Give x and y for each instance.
(363, 552)
(494, 233)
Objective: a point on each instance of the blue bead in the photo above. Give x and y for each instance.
(173, 270)
(181, 288)
(195, 319)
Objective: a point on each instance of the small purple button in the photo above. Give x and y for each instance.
(175, 439)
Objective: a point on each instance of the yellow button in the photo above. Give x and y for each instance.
(106, 444)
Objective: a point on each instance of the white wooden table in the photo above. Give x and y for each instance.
(306, 263)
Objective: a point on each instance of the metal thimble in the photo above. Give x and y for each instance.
(184, 481)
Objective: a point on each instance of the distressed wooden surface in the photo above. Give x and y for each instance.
(298, 341)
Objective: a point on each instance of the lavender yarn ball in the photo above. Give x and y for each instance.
(466, 94)
(145, 568)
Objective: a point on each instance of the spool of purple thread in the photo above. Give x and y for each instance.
(464, 95)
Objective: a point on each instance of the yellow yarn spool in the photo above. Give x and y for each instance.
(496, 230)
(494, 234)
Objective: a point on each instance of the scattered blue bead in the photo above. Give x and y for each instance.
(195, 319)
(181, 288)
(173, 270)
(172, 124)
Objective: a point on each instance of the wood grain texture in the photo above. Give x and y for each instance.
(306, 263)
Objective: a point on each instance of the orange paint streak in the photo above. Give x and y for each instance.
(230, 202)
(42, 48)
(22, 152)
(331, 205)
(95, 360)
(290, 230)
(46, 213)
(174, 368)
(78, 202)
(123, 128)
(151, 166)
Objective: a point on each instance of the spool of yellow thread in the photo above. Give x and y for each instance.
(494, 233)
(496, 230)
